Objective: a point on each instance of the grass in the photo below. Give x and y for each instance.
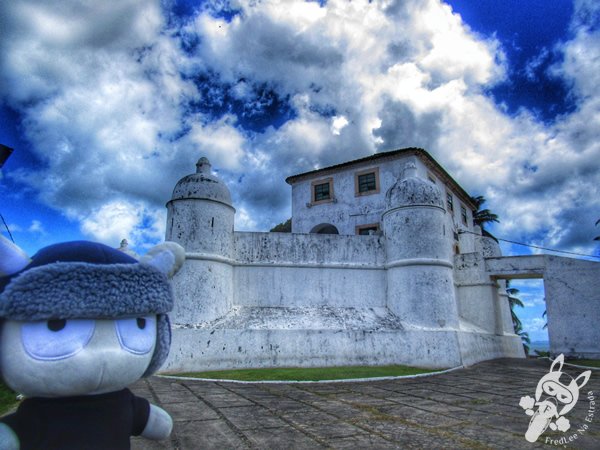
(585, 362)
(309, 374)
(8, 398)
(576, 361)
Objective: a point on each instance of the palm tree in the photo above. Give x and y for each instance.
(524, 338)
(543, 316)
(482, 216)
(513, 301)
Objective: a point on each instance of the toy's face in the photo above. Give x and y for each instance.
(58, 358)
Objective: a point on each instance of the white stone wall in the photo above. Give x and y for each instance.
(480, 303)
(572, 289)
(284, 269)
(294, 248)
(227, 348)
(204, 291)
(572, 292)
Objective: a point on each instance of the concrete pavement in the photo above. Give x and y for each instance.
(473, 408)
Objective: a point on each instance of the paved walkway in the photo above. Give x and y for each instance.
(473, 408)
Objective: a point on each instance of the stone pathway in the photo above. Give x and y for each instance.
(473, 408)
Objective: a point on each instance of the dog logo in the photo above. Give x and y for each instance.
(556, 394)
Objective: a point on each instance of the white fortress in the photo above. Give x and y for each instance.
(383, 266)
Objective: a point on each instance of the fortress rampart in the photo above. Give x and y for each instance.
(249, 299)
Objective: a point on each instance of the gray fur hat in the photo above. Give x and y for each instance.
(87, 280)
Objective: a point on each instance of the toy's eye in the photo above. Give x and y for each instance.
(57, 338)
(56, 324)
(137, 335)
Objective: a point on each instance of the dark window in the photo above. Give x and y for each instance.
(365, 230)
(463, 214)
(367, 182)
(449, 202)
(322, 192)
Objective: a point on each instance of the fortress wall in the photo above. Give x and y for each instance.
(572, 289)
(477, 294)
(206, 349)
(308, 287)
(308, 249)
(307, 270)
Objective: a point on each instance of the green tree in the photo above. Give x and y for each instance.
(284, 227)
(524, 338)
(484, 216)
(481, 216)
(544, 317)
(513, 302)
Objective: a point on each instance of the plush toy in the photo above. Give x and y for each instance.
(80, 322)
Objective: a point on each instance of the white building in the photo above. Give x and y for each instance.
(349, 198)
(407, 279)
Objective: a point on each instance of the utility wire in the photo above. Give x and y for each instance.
(534, 246)
(7, 229)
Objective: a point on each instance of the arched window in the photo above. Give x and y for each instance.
(325, 228)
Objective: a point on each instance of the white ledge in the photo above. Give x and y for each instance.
(359, 266)
(419, 262)
(222, 259)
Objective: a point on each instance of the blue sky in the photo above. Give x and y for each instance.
(108, 104)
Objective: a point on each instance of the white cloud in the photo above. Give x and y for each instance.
(534, 324)
(105, 91)
(101, 96)
(220, 141)
(36, 227)
(134, 221)
(243, 220)
(338, 123)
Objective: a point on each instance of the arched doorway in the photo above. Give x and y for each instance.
(325, 228)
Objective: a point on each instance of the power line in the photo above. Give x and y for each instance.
(534, 246)
(5, 152)
(7, 229)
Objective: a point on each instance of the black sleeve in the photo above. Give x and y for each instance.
(141, 413)
(24, 425)
(12, 421)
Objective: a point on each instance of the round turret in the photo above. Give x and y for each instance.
(202, 185)
(200, 214)
(200, 218)
(418, 254)
(413, 191)
(414, 208)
